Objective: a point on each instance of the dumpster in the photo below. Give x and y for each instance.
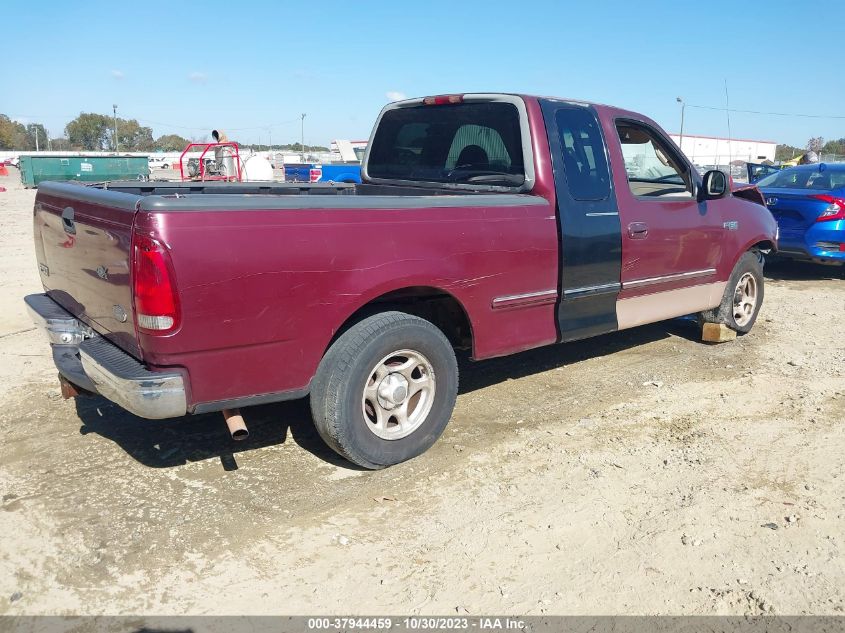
(35, 169)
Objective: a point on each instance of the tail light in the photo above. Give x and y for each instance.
(153, 287)
(443, 100)
(835, 209)
(314, 174)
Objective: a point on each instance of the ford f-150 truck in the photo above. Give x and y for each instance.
(494, 223)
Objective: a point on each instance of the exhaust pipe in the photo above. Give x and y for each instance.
(236, 424)
(70, 390)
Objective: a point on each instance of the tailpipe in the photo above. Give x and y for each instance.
(236, 424)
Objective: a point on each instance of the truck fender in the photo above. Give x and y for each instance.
(362, 306)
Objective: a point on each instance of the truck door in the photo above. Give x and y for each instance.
(756, 171)
(588, 221)
(671, 243)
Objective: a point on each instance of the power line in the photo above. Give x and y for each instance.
(806, 116)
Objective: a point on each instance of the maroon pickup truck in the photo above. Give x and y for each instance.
(491, 222)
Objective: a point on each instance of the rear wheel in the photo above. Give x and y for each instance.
(385, 390)
(743, 296)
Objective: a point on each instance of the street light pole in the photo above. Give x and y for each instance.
(681, 135)
(303, 137)
(114, 109)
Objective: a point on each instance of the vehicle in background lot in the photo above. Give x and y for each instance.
(12, 161)
(808, 203)
(494, 223)
(756, 171)
(159, 162)
(323, 172)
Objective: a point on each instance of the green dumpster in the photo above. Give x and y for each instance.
(35, 169)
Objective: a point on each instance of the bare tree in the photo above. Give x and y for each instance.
(815, 144)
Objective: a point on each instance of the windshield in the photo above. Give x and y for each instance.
(823, 178)
(475, 143)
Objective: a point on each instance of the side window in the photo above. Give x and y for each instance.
(652, 168)
(489, 141)
(583, 154)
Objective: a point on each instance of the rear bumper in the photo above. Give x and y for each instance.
(90, 361)
(819, 243)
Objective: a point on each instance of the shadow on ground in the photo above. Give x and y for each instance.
(168, 443)
(787, 270)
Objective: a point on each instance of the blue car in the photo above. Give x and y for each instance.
(808, 203)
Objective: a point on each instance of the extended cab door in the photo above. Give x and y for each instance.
(588, 221)
(671, 243)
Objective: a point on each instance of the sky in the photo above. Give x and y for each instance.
(253, 67)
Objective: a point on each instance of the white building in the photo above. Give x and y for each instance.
(714, 150)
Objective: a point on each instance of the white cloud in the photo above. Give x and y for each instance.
(117, 74)
(198, 77)
(395, 95)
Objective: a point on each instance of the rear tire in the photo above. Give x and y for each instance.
(743, 296)
(385, 390)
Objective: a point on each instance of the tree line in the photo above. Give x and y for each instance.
(14, 135)
(816, 144)
(95, 132)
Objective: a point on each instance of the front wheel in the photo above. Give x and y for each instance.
(385, 390)
(743, 296)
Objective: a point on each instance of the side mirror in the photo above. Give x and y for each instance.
(714, 185)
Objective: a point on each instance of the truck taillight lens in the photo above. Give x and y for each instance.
(835, 209)
(154, 289)
(443, 100)
(314, 175)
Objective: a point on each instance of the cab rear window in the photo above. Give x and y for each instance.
(472, 143)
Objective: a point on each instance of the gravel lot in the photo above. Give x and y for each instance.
(638, 473)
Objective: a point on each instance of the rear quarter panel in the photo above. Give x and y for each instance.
(263, 292)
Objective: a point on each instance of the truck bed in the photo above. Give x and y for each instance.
(268, 272)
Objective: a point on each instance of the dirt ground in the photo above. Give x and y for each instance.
(642, 472)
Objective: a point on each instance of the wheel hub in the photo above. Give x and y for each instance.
(745, 299)
(399, 394)
(392, 391)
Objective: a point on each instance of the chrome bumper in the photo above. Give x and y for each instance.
(90, 361)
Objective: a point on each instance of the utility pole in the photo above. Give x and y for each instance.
(681, 135)
(36, 138)
(303, 137)
(114, 109)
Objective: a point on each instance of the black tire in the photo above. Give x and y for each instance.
(751, 263)
(337, 391)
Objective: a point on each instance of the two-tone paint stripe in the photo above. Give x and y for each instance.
(663, 279)
(634, 311)
(526, 299)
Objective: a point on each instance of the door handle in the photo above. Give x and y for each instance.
(638, 230)
(67, 221)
